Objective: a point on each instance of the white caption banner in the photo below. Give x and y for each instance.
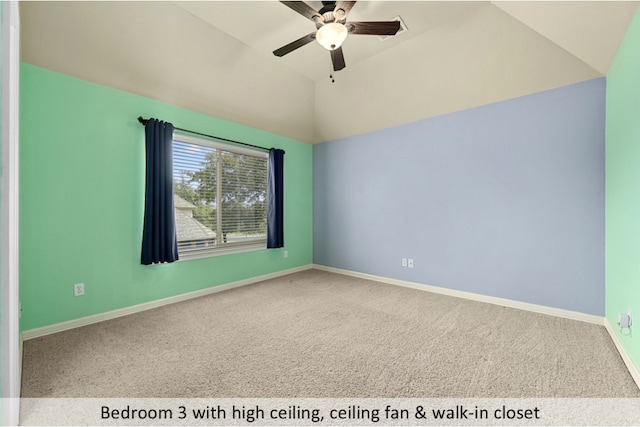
(329, 412)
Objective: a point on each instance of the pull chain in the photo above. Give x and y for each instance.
(331, 72)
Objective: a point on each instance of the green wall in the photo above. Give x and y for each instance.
(623, 187)
(82, 197)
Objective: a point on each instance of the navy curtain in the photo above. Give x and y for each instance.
(275, 197)
(159, 241)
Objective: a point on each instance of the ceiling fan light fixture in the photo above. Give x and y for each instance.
(331, 36)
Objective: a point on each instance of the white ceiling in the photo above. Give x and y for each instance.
(216, 57)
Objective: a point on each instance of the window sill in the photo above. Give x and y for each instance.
(227, 250)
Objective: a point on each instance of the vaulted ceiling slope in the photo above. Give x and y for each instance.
(216, 57)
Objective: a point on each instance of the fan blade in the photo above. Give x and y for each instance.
(344, 5)
(387, 28)
(296, 44)
(337, 58)
(304, 9)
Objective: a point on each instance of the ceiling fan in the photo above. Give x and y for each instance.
(332, 28)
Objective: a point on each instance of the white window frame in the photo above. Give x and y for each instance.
(227, 248)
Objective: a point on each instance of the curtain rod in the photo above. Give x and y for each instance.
(145, 121)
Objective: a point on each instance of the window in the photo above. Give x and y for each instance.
(220, 197)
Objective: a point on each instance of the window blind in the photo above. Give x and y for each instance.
(220, 195)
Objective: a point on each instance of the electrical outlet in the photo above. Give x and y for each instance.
(286, 254)
(410, 263)
(78, 289)
(624, 320)
(629, 318)
(404, 262)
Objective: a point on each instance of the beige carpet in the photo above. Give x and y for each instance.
(318, 334)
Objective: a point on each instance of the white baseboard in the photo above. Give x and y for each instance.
(567, 314)
(633, 369)
(88, 320)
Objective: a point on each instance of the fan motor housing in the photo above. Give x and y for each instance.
(327, 6)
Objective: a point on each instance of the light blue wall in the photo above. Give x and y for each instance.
(505, 200)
